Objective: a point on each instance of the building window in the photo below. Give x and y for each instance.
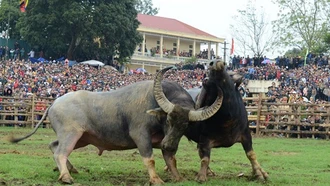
(174, 44)
(158, 47)
(190, 52)
(174, 49)
(158, 42)
(190, 46)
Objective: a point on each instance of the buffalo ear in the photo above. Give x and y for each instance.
(156, 112)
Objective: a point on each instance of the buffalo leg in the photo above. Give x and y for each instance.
(53, 146)
(170, 161)
(204, 151)
(145, 148)
(66, 144)
(257, 171)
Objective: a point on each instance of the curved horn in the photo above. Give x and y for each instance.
(204, 114)
(160, 97)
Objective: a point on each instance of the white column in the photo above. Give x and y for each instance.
(178, 48)
(143, 43)
(209, 51)
(216, 49)
(194, 48)
(142, 64)
(161, 46)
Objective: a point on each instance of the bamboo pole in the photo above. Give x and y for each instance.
(32, 111)
(258, 113)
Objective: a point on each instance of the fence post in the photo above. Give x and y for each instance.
(15, 113)
(258, 115)
(32, 111)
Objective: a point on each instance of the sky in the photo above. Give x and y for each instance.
(211, 16)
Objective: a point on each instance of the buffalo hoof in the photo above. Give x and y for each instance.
(156, 181)
(179, 179)
(66, 179)
(210, 172)
(201, 178)
(261, 175)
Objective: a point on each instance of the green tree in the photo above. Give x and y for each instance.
(9, 15)
(146, 7)
(302, 23)
(251, 30)
(81, 29)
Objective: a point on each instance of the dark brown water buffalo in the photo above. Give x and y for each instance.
(228, 126)
(117, 120)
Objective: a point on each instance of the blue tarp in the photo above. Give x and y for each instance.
(71, 63)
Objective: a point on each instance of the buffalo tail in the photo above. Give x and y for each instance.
(12, 139)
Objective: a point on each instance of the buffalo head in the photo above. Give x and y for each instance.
(178, 117)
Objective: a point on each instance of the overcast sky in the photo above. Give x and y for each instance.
(211, 16)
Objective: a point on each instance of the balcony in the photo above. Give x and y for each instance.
(156, 60)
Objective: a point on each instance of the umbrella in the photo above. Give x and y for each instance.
(305, 99)
(110, 67)
(266, 61)
(174, 67)
(93, 63)
(140, 70)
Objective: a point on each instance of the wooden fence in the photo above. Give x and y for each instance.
(265, 118)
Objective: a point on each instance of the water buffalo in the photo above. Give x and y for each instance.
(228, 126)
(116, 120)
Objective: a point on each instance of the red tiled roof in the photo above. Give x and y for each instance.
(169, 24)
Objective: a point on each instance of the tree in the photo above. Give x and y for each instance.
(146, 7)
(9, 13)
(81, 30)
(302, 23)
(251, 30)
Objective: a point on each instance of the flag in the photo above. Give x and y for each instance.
(23, 4)
(232, 46)
(306, 57)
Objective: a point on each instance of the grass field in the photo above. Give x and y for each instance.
(288, 162)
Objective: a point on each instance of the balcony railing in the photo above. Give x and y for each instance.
(164, 59)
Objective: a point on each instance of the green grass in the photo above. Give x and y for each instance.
(288, 162)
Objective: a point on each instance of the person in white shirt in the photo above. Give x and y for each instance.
(31, 53)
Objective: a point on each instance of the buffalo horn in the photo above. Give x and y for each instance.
(206, 113)
(160, 97)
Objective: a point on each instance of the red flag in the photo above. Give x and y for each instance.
(232, 46)
(23, 4)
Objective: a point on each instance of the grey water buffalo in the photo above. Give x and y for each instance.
(228, 126)
(117, 120)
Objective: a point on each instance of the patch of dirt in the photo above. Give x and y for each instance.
(10, 152)
(3, 182)
(16, 182)
(242, 164)
(282, 153)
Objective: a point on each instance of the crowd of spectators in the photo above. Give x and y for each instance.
(304, 81)
(22, 79)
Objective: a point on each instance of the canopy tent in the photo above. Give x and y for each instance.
(110, 67)
(93, 63)
(140, 70)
